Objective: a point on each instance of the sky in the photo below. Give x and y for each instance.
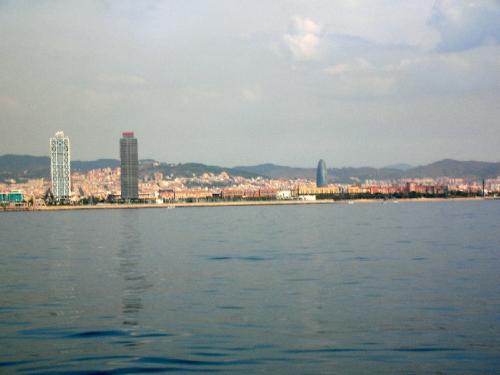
(353, 82)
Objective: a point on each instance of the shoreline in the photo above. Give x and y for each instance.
(116, 206)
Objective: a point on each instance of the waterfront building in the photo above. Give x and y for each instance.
(325, 190)
(11, 196)
(60, 166)
(321, 174)
(129, 163)
(284, 194)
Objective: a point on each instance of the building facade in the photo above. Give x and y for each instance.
(60, 166)
(11, 196)
(321, 174)
(129, 162)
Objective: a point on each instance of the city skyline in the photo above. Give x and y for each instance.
(309, 80)
(158, 185)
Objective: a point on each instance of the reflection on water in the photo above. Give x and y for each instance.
(135, 281)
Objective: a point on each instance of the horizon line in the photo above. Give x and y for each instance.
(271, 163)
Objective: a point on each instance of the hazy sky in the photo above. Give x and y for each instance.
(355, 82)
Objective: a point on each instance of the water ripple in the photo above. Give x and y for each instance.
(93, 334)
(51, 333)
(250, 258)
(347, 350)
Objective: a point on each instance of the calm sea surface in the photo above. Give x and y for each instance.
(359, 289)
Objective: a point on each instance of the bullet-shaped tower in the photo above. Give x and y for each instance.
(321, 174)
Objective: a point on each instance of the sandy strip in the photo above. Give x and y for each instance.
(107, 206)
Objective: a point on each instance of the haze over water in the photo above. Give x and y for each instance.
(374, 288)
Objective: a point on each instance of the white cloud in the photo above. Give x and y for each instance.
(8, 103)
(101, 101)
(365, 85)
(337, 69)
(359, 65)
(466, 24)
(305, 42)
(110, 99)
(360, 78)
(190, 95)
(306, 25)
(418, 74)
(122, 79)
(251, 94)
(383, 22)
(454, 62)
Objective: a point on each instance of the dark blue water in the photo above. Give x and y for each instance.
(409, 288)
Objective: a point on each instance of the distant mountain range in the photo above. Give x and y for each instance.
(26, 166)
(20, 167)
(443, 168)
(190, 169)
(400, 166)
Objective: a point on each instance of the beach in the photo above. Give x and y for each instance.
(112, 206)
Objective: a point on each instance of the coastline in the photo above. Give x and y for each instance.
(111, 206)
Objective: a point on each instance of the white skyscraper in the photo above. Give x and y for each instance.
(60, 166)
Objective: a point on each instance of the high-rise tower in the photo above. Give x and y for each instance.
(321, 174)
(60, 166)
(129, 166)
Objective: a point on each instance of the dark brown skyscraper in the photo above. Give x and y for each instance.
(129, 166)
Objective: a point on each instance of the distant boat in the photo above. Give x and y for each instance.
(350, 202)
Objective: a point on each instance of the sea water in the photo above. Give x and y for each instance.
(364, 289)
